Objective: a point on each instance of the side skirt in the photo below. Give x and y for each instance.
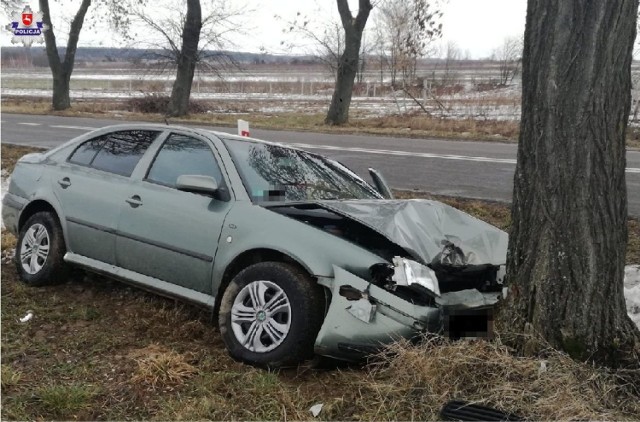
(148, 283)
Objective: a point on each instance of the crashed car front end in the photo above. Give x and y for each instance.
(362, 316)
(448, 282)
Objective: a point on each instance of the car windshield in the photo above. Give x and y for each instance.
(276, 173)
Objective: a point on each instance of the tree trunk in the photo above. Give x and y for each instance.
(61, 99)
(569, 219)
(187, 59)
(348, 64)
(61, 70)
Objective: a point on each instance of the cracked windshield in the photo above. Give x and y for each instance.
(273, 173)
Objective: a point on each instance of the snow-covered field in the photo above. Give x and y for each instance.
(293, 91)
(631, 279)
(269, 90)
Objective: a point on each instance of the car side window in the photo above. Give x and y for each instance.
(117, 152)
(86, 152)
(180, 155)
(121, 151)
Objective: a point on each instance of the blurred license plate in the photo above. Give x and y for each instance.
(468, 324)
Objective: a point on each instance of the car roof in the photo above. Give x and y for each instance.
(199, 130)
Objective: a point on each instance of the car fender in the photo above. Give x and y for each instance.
(249, 227)
(40, 190)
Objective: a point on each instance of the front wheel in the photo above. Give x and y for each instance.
(40, 251)
(270, 315)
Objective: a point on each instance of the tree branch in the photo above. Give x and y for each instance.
(50, 39)
(363, 15)
(74, 35)
(345, 15)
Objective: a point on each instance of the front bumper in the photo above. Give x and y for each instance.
(345, 336)
(355, 328)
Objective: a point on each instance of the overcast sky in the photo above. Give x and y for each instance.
(477, 26)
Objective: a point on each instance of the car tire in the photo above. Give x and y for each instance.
(41, 231)
(280, 330)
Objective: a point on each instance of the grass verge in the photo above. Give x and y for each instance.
(416, 126)
(98, 349)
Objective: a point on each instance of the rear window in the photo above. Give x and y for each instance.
(117, 152)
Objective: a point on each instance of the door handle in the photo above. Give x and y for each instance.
(64, 182)
(134, 201)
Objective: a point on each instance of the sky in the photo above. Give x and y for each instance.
(476, 26)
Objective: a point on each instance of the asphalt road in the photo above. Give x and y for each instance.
(469, 169)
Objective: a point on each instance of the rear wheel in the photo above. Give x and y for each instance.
(270, 315)
(40, 251)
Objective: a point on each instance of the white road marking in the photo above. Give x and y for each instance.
(29, 124)
(409, 154)
(421, 154)
(74, 127)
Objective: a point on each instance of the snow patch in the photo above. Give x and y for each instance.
(632, 292)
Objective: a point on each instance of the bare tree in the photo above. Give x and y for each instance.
(186, 60)
(508, 55)
(407, 31)
(348, 65)
(61, 69)
(452, 54)
(188, 38)
(323, 39)
(569, 219)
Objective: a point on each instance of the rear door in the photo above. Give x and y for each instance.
(169, 234)
(90, 186)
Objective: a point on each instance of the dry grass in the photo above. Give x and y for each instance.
(161, 368)
(97, 349)
(419, 125)
(11, 154)
(228, 112)
(413, 382)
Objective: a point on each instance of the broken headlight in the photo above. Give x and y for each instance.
(408, 272)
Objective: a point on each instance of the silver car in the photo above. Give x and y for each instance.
(294, 252)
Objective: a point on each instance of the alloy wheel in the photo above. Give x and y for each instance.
(261, 316)
(34, 248)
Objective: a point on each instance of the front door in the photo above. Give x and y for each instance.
(169, 234)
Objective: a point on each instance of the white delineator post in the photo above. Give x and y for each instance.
(243, 127)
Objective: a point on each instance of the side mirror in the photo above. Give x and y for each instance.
(380, 184)
(197, 184)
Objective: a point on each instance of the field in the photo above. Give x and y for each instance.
(287, 90)
(98, 349)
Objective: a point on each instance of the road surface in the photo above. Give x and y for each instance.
(481, 170)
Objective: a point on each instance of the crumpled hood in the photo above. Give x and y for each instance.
(419, 226)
